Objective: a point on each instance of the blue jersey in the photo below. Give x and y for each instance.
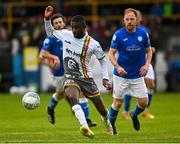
(144, 28)
(55, 47)
(132, 51)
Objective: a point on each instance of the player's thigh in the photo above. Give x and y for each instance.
(58, 84)
(88, 87)
(120, 87)
(138, 88)
(71, 87)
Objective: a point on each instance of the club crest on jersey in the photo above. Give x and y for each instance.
(114, 37)
(140, 38)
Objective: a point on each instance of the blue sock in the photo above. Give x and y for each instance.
(53, 103)
(149, 99)
(112, 116)
(85, 107)
(127, 101)
(137, 111)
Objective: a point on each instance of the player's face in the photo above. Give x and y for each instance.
(58, 23)
(78, 30)
(130, 21)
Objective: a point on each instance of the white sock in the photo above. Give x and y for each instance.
(79, 114)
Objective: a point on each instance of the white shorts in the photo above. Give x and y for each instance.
(58, 83)
(150, 73)
(133, 87)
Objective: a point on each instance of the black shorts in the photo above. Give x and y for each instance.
(86, 85)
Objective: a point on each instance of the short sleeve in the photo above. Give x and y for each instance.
(98, 51)
(114, 42)
(47, 44)
(147, 42)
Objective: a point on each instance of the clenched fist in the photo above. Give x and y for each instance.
(48, 12)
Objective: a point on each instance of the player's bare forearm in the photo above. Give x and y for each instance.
(112, 58)
(47, 23)
(49, 59)
(148, 56)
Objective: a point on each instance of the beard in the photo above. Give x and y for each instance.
(130, 28)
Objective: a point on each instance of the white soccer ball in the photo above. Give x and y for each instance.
(31, 100)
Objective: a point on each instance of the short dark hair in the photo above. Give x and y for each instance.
(80, 19)
(55, 16)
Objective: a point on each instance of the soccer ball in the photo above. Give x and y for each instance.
(31, 100)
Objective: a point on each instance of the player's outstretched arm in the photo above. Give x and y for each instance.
(48, 12)
(47, 22)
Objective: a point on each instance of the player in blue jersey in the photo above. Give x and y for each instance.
(134, 49)
(51, 53)
(149, 80)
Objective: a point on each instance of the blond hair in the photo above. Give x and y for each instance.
(128, 10)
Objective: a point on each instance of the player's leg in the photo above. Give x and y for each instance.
(149, 80)
(90, 90)
(138, 89)
(56, 97)
(119, 86)
(72, 91)
(127, 102)
(99, 104)
(150, 87)
(85, 107)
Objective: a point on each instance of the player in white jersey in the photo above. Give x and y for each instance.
(78, 47)
(53, 50)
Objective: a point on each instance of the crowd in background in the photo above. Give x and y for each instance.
(31, 32)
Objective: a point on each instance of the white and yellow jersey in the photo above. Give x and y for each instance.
(78, 52)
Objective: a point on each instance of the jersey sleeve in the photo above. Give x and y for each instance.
(147, 42)
(98, 51)
(47, 44)
(114, 42)
(61, 34)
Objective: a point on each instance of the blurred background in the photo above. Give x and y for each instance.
(22, 34)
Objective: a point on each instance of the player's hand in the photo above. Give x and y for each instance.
(121, 70)
(144, 70)
(48, 12)
(56, 62)
(107, 85)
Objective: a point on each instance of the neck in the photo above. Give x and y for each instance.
(131, 31)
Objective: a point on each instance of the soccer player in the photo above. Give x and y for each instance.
(78, 47)
(134, 49)
(149, 80)
(51, 53)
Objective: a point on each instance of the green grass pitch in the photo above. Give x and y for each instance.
(20, 125)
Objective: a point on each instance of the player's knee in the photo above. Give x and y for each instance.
(72, 93)
(59, 95)
(143, 102)
(117, 103)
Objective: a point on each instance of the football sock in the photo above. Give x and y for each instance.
(113, 112)
(53, 102)
(149, 99)
(85, 106)
(79, 114)
(137, 110)
(127, 101)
